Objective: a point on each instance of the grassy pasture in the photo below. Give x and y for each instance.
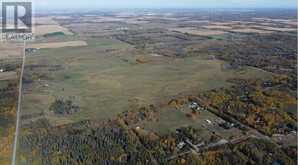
(104, 83)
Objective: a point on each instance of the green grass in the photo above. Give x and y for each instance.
(103, 84)
(171, 119)
(3, 84)
(56, 37)
(216, 37)
(54, 34)
(292, 109)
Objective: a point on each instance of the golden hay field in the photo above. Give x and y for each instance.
(58, 44)
(46, 29)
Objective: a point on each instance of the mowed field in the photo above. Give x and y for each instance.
(108, 77)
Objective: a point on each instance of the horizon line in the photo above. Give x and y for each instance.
(166, 8)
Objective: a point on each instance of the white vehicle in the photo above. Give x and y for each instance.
(208, 121)
(180, 145)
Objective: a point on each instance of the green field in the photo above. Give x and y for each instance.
(105, 83)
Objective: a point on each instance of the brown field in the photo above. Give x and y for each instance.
(197, 21)
(294, 23)
(156, 55)
(104, 19)
(8, 75)
(58, 44)
(266, 24)
(223, 23)
(221, 27)
(45, 21)
(200, 32)
(250, 30)
(274, 20)
(9, 50)
(283, 21)
(135, 21)
(274, 28)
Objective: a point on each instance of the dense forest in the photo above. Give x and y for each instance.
(8, 102)
(266, 106)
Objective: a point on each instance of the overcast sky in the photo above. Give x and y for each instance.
(92, 4)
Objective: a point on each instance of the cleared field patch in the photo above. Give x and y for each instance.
(250, 30)
(294, 23)
(108, 19)
(45, 21)
(274, 20)
(221, 27)
(197, 21)
(10, 50)
(136, 21)
(58, 44)
(227, 23)
(8, 76)
(200, 32)
(46, 29)
(274, 28)
(172, 119)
